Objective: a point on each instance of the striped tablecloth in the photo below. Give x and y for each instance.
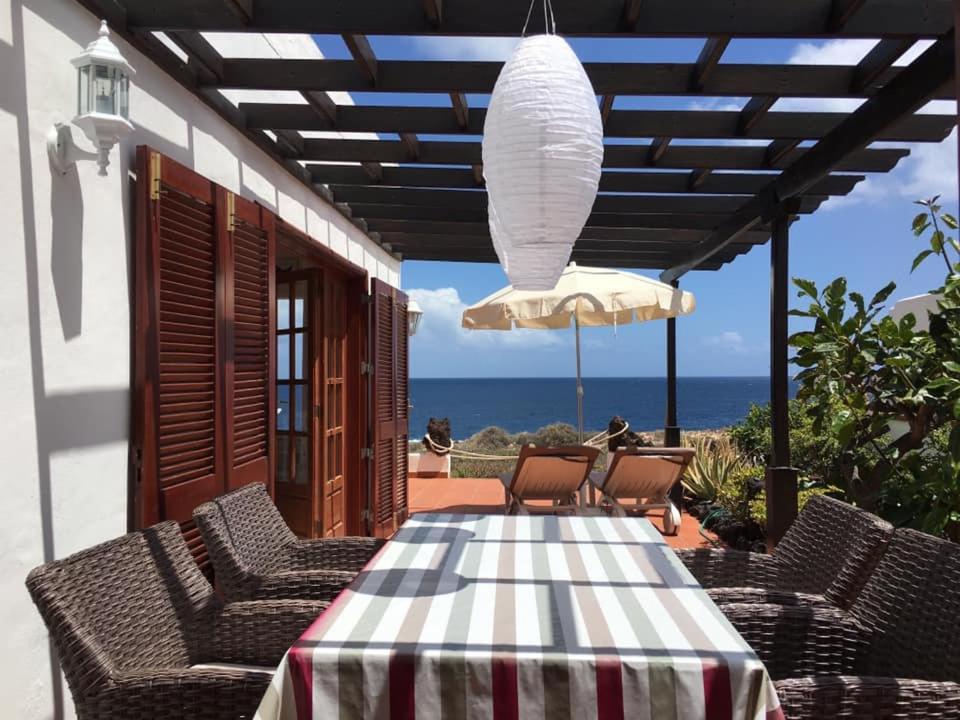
(475, 617)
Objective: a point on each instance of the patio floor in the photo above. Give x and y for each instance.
(485, 495)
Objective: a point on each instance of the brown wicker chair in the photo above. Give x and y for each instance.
(825, 558)
(894, 654)
(255, 555)
(133, 618)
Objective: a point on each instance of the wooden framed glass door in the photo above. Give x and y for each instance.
(334, 394)
(295, 337)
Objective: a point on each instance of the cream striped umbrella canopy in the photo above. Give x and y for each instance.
(586, 297)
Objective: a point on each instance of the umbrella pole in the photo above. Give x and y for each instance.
(579, 384)
(576, 322)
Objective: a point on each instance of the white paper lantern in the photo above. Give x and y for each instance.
(542, 152)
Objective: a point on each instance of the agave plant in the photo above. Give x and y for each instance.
(715, 460)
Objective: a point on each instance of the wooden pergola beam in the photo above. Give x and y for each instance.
(696, 18)
(631, 14)
(657, 149)
(378, 194)
(884, 54)
(755, 109)
(202, 56)
(908, 92)
(478, 174)
(689, 221)
(466, 178)
(707, 62)
(621, 123)
(412, 145)
(461, 110)
(707, 76)
(363, 56)
(683, 157)
(460, 227)
(290, 142)
(778, 150)
(373, 170)
(433, 9)
(606, 106)
(657, 240)
(323, 105)
(841, 12)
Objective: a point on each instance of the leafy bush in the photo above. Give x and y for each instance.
(758, 505)
(555, 435)
(815, 455)
(863, 370)
(489, 439)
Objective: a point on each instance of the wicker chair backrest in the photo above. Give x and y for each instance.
(244, 533)
(911, 606)
(831, 549)
(134, 602)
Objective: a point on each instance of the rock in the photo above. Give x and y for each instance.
(439, 431)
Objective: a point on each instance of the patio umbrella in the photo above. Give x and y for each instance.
(587, 296)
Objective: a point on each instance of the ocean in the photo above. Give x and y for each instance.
(526, 404)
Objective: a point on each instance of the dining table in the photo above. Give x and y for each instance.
(527, 616)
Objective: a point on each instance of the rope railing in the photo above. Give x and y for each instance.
(597, 441)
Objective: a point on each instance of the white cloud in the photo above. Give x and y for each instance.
(464, 48)
(930, 169)
(442, 311)
(733, 343)
(847, 52)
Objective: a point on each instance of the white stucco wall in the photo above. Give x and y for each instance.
(65, 307)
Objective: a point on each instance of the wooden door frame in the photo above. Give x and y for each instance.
(310, 378)
(357, 430)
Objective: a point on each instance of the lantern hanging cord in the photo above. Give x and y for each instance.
(549, 22)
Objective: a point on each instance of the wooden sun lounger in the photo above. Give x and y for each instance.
(551, 473)
(645, 476)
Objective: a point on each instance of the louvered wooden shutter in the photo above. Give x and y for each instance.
(389, 346)
(251, 343)
(202, 404)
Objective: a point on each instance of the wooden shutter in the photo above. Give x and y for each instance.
(390, 407)
(202, 407)
(250, 319)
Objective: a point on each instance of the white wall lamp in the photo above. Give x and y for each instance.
(103, 105)
(414, 315)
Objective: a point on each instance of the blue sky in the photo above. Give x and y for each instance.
(865, 237)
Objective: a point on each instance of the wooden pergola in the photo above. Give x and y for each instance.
(698, 188)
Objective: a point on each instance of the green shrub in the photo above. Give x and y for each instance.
(555, 435)
(490, 439)
(758, 506)
(815, 455)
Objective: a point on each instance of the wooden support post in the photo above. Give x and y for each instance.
(671, 430)
(781, 479)
(956, 45)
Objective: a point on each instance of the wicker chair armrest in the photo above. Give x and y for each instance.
(729, 595)
(260, 632)
(868, 697)
(349, 554)
(208, 693)
(302, 585)
(798, 640)
(731, 568)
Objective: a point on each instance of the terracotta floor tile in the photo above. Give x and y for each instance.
(485, 495)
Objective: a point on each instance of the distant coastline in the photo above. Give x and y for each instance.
(526, 404)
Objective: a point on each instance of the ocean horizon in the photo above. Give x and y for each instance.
(524, 404)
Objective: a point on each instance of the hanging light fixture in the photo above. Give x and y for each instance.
(542, 152)
(103, 105)
(414, 315)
